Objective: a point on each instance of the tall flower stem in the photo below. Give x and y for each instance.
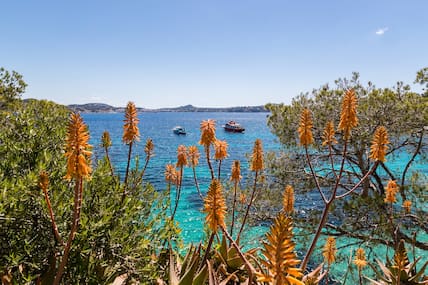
(196, 183)
(250, 203)
(219, 169)
(140, 177)
(109, 161)
(235, 186)
(207, 153)
(78, 154)
(178, 194)
(44, 186)
(75, 224)
(127, 170)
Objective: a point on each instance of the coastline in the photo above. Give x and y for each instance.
(105, 108)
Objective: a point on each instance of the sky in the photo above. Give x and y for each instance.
(208, 53)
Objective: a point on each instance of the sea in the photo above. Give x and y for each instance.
(158, 127)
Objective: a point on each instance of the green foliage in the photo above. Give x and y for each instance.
(188, 270)
(422, 78)
(115, 238)
(12, 86)
(31, 139)
(125, 231)
(363, 215)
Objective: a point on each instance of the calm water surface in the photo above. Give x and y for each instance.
(158, 127)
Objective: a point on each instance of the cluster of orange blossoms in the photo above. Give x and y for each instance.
(305, 128)
(288, 199)
(77, 148)
(215, 206)
(390, 191)
(329, 251)
(131, 132)
(257, 156)
(360, 259)
(181, 156)
(236, 172)
(207, 133)
(105, 139)
(194, 155)
(149, 147)
(348, 116)
(280, 259)
(328, 135)
(220, 149)
(379, 144)
(171, 174)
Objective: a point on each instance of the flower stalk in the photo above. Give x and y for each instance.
(78, 155)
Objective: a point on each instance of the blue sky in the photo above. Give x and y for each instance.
(161, 53)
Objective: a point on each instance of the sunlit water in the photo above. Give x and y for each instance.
(158, 127)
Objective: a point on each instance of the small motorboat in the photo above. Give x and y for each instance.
(178, 130)
(233, 126)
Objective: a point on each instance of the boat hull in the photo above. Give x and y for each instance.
(234, 130)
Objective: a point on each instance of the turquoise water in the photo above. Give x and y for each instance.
(158, 127)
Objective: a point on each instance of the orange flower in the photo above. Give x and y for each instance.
(236, 172)
(242, 198)
(220, 149)
(305, 128)
(130, 128)
(44, 181)
(207, 133)
(105, 139)
(215, 206)
(77, 149)
(193, 155)
(280, 259)
(379, 144)
(330, 250)
(348, 116)
(170, 174)
(181, 156)
(390, 191)
(288, 199)
(328, 135)
(407, 205)
(149, 147)
(360, 259)
(257, 156)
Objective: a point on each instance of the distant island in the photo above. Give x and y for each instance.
(105, 108)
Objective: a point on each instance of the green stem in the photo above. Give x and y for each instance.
(127, 171)
(76, 217)
(233, 208)
(248, 206)
(207, 152)
(177, 198)
(196, 183)
(109, 162)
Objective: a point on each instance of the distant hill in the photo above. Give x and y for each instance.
(105, 108)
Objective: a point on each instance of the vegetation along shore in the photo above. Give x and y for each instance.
(67, 217)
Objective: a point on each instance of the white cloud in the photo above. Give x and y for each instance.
(381, 31)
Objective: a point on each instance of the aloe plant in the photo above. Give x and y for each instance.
(400, 271)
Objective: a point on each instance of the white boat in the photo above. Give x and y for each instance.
(233, 126)
(178, 130)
